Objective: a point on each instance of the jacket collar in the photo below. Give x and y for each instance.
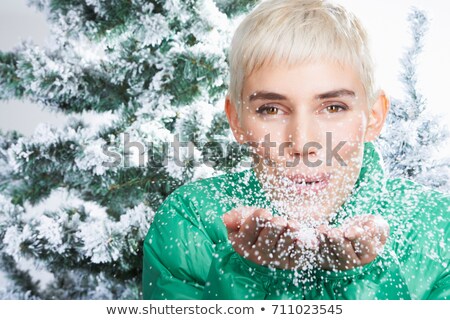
(370, 187)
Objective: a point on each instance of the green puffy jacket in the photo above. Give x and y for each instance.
(187, 254)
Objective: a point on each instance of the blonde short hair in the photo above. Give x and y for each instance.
(296, 31)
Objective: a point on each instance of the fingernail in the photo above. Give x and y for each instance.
(226, 219)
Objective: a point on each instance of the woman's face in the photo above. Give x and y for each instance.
(307, 124)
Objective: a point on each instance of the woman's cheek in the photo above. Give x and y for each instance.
(347, 145)
(264, 137)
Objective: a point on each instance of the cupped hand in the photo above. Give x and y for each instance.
(267, 240)
(356, 243)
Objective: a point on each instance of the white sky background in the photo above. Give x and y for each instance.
(386, 21)
(388, 28)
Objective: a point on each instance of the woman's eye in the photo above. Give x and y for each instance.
(269, 110)
(334, 108)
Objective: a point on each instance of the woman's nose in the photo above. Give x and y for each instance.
(303, 138)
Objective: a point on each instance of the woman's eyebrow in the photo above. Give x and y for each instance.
(335, 94)
(265, 95)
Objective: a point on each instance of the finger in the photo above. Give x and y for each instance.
(323, 250)
(361, 235)
(285, 242)
(269, 235)
(232, 219)
(321, 235)
(267, 241)
(326, 255)
(338, 253)
(335, 236)
(353, 232)
(366, 245)
(354, 227)
(289, 236)
(290, 250)
(335, 240)
(332, 249)
(368, 228)
(365, 249)
(347, 257)
(253, 225)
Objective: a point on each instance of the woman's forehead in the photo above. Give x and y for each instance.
(323, 79)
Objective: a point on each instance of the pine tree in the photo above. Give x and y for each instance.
(149, 73)
(415, 137)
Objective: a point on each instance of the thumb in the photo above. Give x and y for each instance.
(353, 232)
(232, 220)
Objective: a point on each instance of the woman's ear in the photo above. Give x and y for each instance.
(234, 121)
(377, 117)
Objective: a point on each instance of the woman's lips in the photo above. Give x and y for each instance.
(304, 184)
